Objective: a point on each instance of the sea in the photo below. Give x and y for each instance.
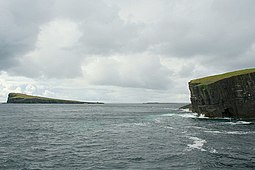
(121, 136)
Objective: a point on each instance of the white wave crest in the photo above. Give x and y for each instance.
(229, 132)
(202, 116)
(213, 150)
(188, 115)
(168, 127)
(184, 115)
(169, 114)
(212, 131)
(140, 124)
(197, 127)
(185, 110)
(237, 133)
(239, 123)
(197, 144)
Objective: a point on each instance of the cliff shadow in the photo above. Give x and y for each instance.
(228, 112)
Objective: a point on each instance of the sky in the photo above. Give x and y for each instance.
(121, 51)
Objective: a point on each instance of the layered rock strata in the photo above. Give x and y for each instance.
(227, 95)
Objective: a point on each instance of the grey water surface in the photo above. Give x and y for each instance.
(121, 136)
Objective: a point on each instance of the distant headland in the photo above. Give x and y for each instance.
(29, 99)
(225, 95)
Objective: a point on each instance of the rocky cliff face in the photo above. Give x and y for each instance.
(233, 96)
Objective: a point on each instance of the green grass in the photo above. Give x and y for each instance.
(215, 78)
(24, 96)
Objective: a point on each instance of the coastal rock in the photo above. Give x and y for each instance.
(28, 99)
(226, 95)
(188, 106)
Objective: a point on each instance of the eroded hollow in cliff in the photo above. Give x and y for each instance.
(228, 113)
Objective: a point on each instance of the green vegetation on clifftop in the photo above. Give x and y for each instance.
(215, 78)
(23, 98)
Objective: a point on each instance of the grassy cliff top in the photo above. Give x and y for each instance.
(215, 78)
(14, 96)
(25, 96)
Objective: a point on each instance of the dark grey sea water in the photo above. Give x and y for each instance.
(121, 136)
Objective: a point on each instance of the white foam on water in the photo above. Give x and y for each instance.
(237, 133)
(185, 110)
(197, 144)
(174, 108)
(157, 120)
(202, 116)
(197, 127)
(184, 115)
(229, 132)
(168, 127)
(239, 123)
(212, 150)
(188, 115)
(168, 114)
(224, 118)
(213, 131)
(140, 124)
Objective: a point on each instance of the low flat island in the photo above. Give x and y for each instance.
(29, 99)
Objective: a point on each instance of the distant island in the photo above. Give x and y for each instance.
(154, 103)
(225, 95)
(29, 99)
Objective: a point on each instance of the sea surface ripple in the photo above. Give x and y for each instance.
(121, 136)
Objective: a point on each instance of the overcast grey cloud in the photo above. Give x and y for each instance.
(121, 47)
(141, 71)
(19, 27)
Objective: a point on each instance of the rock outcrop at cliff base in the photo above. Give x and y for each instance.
(226, 95)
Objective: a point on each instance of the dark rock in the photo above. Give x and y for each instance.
(188, 106)
(233, 97)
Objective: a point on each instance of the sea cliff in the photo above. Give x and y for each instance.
(29, 99)
(226, 95)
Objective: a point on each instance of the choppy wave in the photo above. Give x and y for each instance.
(198, 127)
(169, 127)
(229, 132)
(197, 144)
(140, 124)
(168, 114)
(239, 123)
(184, 115)
(119, 136)
(212, 150)
(188, 115)
(238, 132)
(213, 131)
(202, 116)
(185, 110)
